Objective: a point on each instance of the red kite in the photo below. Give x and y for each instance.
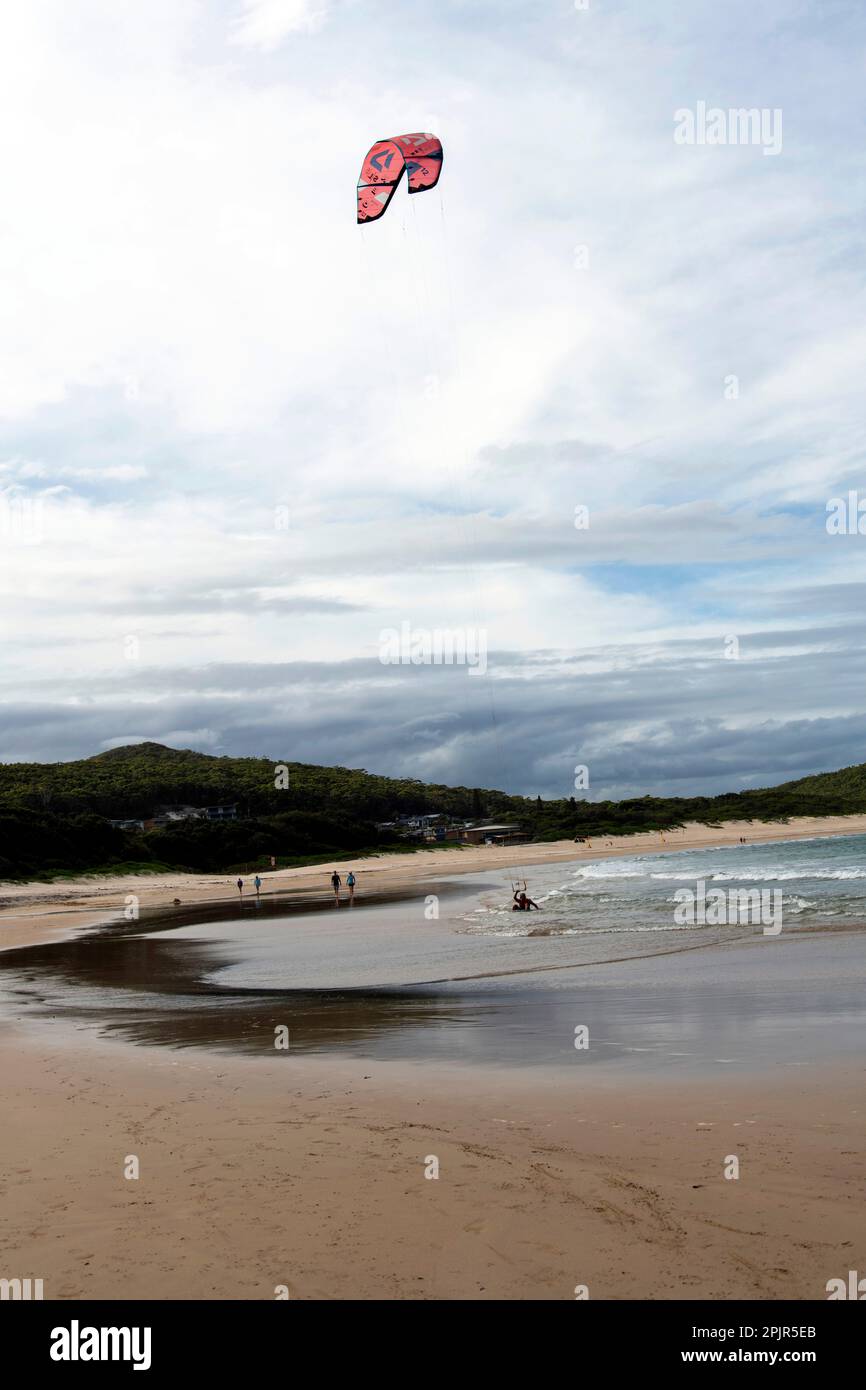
(419, 155)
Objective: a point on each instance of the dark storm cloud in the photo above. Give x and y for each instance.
(627, 713)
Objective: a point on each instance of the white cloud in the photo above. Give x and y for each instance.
(265, 23)
(198, 335)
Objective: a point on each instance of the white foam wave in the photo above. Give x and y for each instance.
(782, 875)
(608, 871)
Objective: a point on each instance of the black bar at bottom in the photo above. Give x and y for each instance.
(255, 1339)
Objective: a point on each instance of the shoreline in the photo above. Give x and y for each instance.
(36, 912)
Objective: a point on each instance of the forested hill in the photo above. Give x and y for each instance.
(132, 781)
(55, 816)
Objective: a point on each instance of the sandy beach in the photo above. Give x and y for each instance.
(48, 911)
(306, 1170)
(252, 1177)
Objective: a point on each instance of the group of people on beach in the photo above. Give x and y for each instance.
(522, 902)
(337, 883)
(256, 882)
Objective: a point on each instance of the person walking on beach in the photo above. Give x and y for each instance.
(350, 884)
(241, 886)
(258, 884)
(336, 881)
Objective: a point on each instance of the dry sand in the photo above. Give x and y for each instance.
(32, 912)
(303, 1173)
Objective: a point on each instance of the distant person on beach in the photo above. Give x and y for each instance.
(336, 881)
(524, 904)
(241, 886)
(350, 884)
(258, 884)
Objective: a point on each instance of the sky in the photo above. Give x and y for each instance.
(586, 403)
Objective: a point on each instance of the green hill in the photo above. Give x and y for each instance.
(132, 781)
(54, 817)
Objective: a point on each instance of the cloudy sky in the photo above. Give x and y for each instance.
(241, 437)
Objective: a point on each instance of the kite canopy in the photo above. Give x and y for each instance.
(421, 157)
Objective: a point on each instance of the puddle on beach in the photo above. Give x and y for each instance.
(139, 983)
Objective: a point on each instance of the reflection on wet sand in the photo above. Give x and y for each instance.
(135, 982)
(138, 985)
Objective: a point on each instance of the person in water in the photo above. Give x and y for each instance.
(258, 884)
(524, 904)
(241, 886)
(336, 883)
(350, 884)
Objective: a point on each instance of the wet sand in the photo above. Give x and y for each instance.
(383, 983)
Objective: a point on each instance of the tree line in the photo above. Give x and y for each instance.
(54, 817)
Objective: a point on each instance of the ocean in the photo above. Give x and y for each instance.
(821, 882)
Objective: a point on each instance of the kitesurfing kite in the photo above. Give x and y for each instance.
(421, 157)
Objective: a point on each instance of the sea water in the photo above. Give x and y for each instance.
(821, 882)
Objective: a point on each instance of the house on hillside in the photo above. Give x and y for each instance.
(438, 834)
(432, 827)
(170, 815)
(493, 835)
(174, 815)
(422, 822)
